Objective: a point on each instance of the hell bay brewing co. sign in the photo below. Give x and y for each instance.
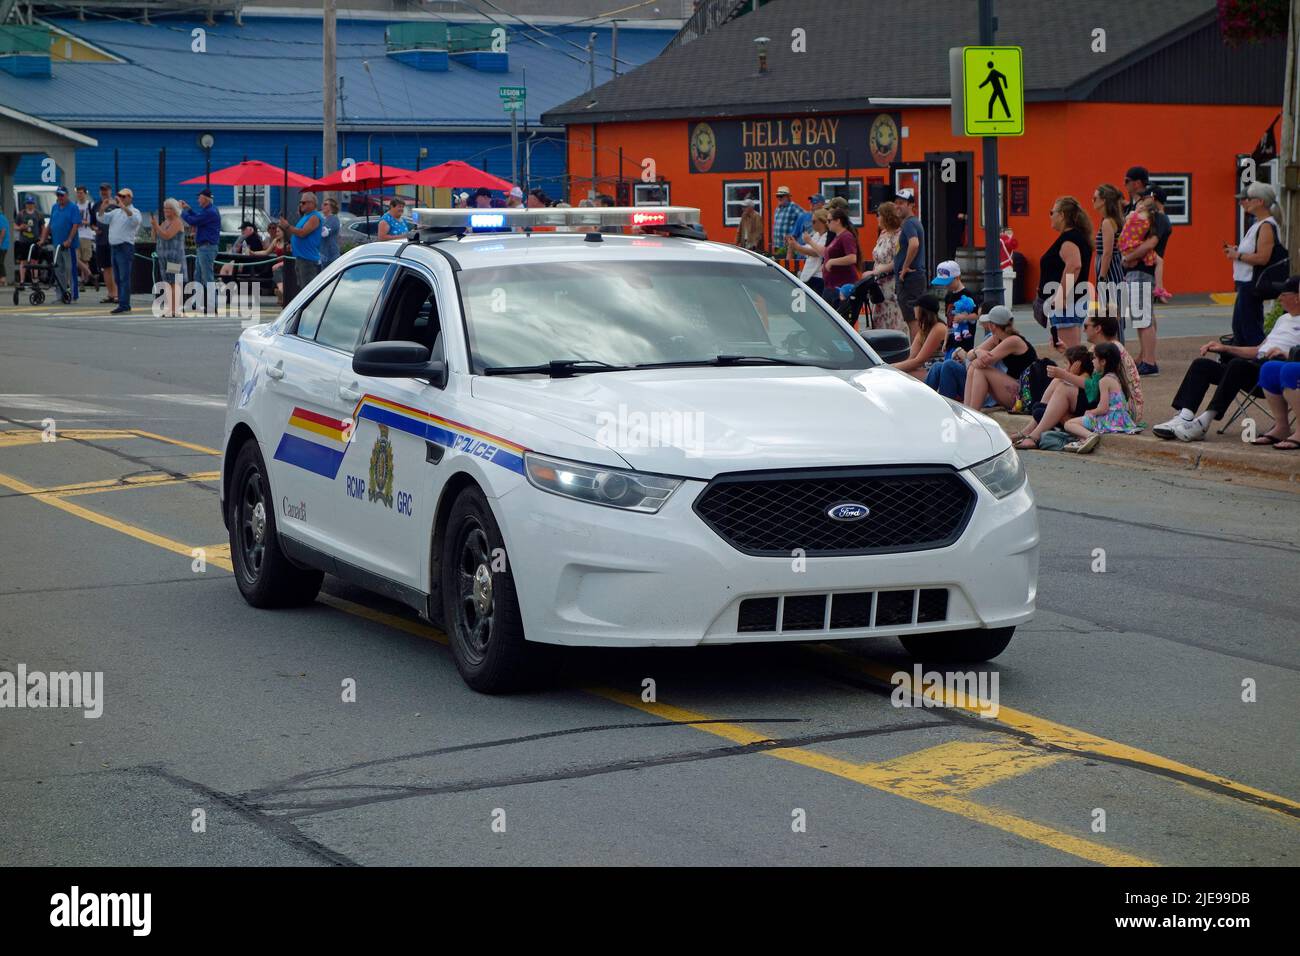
(794, 143)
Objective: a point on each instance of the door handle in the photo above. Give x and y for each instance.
(275, 371)
(349, 394)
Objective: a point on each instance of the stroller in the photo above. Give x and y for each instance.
(42, 274)
(866, 294)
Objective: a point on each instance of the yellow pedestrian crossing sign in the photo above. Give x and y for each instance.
(992, 91)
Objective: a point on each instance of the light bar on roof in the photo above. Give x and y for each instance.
(561, 216)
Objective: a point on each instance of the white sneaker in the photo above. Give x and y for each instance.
(1190, 431)
(1166, 430)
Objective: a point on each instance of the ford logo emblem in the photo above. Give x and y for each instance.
(847, 511)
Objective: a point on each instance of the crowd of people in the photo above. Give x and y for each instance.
(1095, 284)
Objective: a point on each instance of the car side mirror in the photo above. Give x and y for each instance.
(399, 360)
(890, 345)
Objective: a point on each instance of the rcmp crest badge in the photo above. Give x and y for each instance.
(381, 469)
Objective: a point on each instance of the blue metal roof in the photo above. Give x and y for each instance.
(268, 73)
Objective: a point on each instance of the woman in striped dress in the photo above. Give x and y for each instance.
(1108, 202)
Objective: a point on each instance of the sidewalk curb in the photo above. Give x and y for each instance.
(1192, 456)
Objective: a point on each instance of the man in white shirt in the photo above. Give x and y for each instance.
(1237, 370)
(123, 226)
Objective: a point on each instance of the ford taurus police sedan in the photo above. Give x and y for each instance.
(583, 437)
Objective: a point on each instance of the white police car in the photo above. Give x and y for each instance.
(590, 438)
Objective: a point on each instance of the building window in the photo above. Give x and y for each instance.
(650, 194)
(851, 191)
(1178, 195)
(733, 200)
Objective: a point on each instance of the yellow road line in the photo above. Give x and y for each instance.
(1062, 736)
(960, 766)
(154, 480)
(176, 441)
(35, 436)
(885, 778)
(140, 534)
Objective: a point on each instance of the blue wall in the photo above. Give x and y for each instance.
(137, 157)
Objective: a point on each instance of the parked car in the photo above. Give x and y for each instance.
(232, 217)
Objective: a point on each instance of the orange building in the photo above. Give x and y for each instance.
(723, 118)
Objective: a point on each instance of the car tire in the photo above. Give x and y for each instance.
(479, 604)
(265, 575)
(972, 646)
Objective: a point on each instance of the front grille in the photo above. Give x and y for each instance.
(909, 509)
(849, 610)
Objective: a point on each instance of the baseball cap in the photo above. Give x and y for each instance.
(29, 198)
(1292, 284)
(464, 195)
(1138, 172)
(516, 193)
(61, 191)
(107, 186)
(816, 197)
(906, 195)
(929, 303)
(783, 190)
(206, 192)
(998, 315)
(846, 290)
(945, 272)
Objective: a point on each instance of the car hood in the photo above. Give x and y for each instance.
(700, 422)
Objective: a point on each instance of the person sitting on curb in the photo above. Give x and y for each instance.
(1010, 348)
(1070, 393)
(927, 343)
(1105, 328)
(948, 377)
(1236, 371)
(1111, 415)
(1281, 384)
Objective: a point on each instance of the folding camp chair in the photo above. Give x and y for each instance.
(1244, 404)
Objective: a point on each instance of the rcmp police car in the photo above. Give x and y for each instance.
(590, 438)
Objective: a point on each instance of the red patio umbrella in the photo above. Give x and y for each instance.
(252, 172)
(454, 174)
(360, 177)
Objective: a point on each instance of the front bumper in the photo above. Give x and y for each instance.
(593, 576)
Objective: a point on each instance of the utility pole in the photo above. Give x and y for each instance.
(591, 62)
(992, 227)
(329, 87)
(1289, 147)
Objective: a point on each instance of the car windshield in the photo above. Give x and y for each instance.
(647, 312)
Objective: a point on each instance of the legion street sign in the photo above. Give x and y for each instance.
(988, 90)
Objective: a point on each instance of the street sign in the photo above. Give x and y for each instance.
(512, 106)
(512, 92)
(988, 90)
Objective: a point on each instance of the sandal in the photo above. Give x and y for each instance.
(1084, 446)
(1025, 443)
(1287, 444)
(1266, 440)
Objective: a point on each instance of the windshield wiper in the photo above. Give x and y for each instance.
(722, 360)
(557, 368)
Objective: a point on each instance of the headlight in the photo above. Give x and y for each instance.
(1002, 474)
(611, 487)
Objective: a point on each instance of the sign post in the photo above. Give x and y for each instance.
(512, 101)
(988, 100)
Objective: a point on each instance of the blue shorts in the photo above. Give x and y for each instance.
(1277, 376)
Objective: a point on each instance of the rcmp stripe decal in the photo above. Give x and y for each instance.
(309, 455)
(325, 459)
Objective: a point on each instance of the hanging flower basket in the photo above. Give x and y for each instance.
(1249, 21)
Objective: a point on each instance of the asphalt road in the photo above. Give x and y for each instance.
(1122, 697)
